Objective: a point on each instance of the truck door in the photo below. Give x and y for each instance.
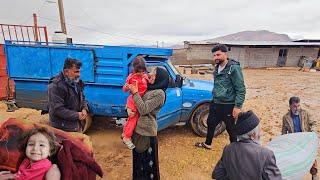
(171, 111)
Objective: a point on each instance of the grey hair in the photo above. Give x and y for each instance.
(248, 135)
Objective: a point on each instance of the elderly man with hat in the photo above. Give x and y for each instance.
(246, 158)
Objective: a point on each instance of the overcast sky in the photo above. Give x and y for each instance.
(143, 22)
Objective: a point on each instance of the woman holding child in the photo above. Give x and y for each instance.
(145, 154)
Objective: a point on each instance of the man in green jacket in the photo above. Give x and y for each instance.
(228, 95)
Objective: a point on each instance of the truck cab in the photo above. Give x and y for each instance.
(187, 99)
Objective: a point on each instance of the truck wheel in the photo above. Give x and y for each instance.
(87, 123)
(198, 121)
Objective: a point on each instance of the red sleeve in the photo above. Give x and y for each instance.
(130, 76)
(128, 81)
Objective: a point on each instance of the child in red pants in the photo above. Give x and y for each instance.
(139, 77)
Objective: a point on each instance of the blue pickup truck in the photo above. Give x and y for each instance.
(104, 72)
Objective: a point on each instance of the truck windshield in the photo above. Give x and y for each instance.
(174, 69)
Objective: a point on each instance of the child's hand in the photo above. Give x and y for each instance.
(130, 113)
(133, 87)
(125, 87)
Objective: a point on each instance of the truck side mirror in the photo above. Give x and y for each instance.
(179, 81)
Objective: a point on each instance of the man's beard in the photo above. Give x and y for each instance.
(76, 80)
(218, 61)
(73, 80)
(295, 112)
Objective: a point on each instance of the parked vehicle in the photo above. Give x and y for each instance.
(104, 72)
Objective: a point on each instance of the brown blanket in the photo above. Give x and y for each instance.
(77, 164)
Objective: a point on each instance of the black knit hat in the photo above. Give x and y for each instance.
(246, 122)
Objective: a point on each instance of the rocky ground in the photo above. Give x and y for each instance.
(268, 92)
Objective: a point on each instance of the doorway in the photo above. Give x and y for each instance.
(282, 57)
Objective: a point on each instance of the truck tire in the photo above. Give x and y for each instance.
(87, 123)
(198, 121)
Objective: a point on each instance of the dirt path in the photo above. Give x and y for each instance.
(268, 92)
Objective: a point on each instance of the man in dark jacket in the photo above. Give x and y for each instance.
(68, 109)
(247, 159)
(228, 95)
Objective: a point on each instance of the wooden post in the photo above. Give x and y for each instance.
(35, 21)
(62, 19)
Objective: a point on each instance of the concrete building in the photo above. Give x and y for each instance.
(179, 56)
(256, 54)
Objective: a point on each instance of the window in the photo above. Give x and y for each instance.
(283, 52)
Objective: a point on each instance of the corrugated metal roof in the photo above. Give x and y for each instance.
(257, 43)
(307, 40)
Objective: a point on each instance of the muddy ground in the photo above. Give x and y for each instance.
(268, 92)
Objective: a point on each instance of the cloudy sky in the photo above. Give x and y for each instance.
(144, 22)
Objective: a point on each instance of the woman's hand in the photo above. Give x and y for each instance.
(133, 88)
(53, 173)
(4, 175)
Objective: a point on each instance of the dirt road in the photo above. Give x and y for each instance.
(268, 92)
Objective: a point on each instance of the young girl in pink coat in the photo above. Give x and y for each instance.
(36, 146)
(139, 77)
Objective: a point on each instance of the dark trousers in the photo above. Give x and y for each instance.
(218, 113)
(146, 164)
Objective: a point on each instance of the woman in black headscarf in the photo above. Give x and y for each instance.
(145, 155)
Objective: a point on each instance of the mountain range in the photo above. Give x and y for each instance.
(259, 35)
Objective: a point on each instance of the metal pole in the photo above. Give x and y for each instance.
(62, 19)
(36, 38)
(45, 34)
(15, 30)
(4, 38)
(9, 33)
